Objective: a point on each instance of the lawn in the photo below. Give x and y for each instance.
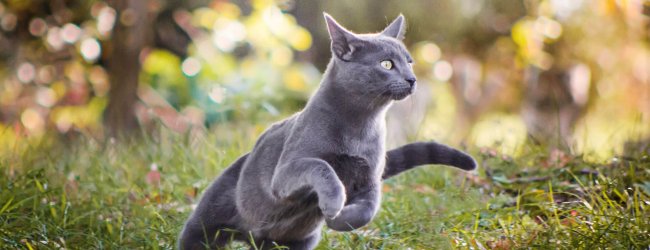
(85, 193)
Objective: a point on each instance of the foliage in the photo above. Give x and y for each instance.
(133, 195)
(52, 55)
(216, 61)
(54, 65)
(236, 62)
(234, 66)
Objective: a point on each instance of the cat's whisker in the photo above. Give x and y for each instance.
(377, 97)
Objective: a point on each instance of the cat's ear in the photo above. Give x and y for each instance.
(396, 29)
(343, 41)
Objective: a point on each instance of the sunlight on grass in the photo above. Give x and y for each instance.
(439, 121)
(131, 195)
(604, 133)
(506, 133)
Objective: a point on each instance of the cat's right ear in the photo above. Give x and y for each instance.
(396, 29)
(343, 41)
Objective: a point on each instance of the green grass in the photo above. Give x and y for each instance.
(95, 194)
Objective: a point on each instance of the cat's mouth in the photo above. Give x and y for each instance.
(400, 91)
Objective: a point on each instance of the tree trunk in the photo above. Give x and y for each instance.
(130, 36)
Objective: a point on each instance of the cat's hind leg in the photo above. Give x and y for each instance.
(198, 236)
(305, 244)
(215, 219)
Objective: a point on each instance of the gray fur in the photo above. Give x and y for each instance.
(324, 164)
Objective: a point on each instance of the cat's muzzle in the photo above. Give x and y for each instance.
(399, 91)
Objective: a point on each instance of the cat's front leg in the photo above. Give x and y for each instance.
(358, 212)
(313, 173)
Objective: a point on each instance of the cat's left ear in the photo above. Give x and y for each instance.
(344, 42)
(396, 29)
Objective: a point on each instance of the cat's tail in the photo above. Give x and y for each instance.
(422, 153)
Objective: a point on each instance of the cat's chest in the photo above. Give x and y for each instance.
(357, 173)
(358, 158)
(367, 143)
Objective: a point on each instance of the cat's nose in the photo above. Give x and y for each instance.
(411, 80)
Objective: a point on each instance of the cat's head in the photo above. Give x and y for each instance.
(372, 66)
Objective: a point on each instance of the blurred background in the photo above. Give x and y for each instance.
(572, 75)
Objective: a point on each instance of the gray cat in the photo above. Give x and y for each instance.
(325, 163)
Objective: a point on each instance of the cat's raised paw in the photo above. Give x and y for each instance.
(332, 203)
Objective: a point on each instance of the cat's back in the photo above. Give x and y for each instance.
(252, 190)
(265, 154)
(277, 132)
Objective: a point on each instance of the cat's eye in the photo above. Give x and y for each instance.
(386, 64)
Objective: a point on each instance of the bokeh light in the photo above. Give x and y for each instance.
(191, 66)
(70, 33)
(90, 49)
(442, 70)
(217, 94)
(54, 39)
(46, 74)
(8, 22)
(106, 20)
(281, 56)
(26, 72)
(33, 121)
(37, 27)
(99, 79)
(430, 52)
(548, 27)
(227, 33)
(45, 97)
